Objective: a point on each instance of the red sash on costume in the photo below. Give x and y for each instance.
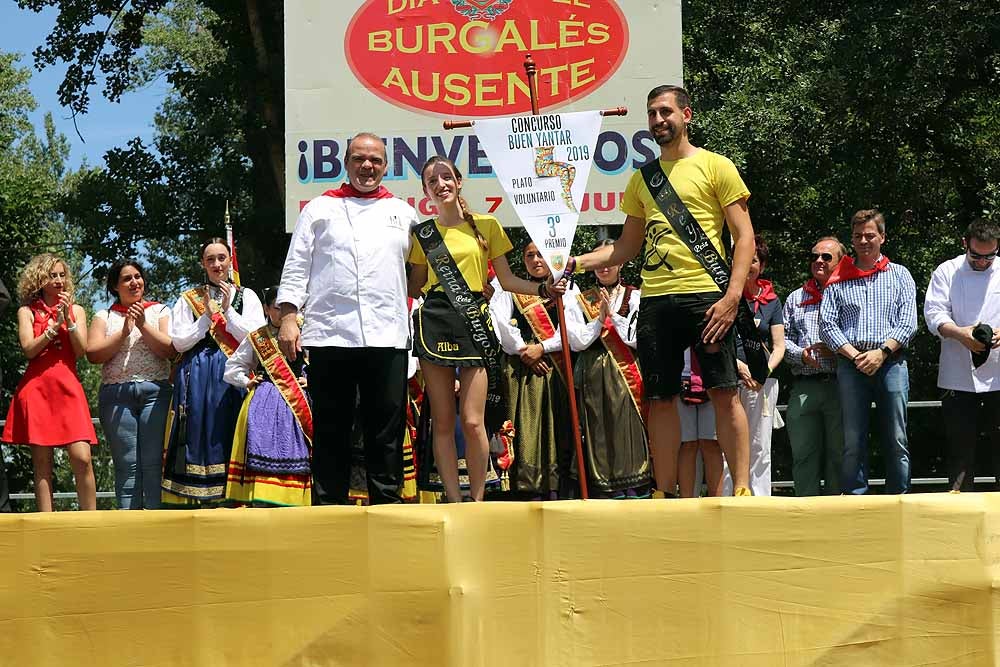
(537, 316)
(348, 190)
(763, 294)
(847, 270)
(225, 340)
(814, 290)
(277, 367)
(625, 362)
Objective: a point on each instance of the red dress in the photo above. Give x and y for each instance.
(49, 407)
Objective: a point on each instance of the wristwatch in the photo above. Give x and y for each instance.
(886, 350)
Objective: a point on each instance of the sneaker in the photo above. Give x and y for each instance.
(742, 491)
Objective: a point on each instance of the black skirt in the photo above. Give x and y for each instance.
(440, 335)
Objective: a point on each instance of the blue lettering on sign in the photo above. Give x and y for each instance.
(321, 160)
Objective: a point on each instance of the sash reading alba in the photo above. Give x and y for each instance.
(625, 362)
(217, 330)
(284, 379)
(537, 316)
(474, 312)
(694, 237)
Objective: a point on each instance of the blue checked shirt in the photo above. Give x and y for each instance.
(866, 312)
(802, 326)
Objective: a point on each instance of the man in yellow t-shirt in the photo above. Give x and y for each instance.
(681, 305)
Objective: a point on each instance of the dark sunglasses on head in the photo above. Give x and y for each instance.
(987, 257)
(827, 257)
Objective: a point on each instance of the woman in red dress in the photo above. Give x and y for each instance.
(49, 408)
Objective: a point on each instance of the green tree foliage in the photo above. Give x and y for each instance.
(831, 107)
(220, 132)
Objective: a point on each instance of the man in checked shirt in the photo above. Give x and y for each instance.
(868, 315)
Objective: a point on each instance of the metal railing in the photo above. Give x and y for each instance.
(776, 484)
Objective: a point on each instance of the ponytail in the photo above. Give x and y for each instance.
(468, 216)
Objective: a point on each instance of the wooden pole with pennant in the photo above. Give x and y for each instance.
(530, 69)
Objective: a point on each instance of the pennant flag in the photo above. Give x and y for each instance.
(543, 163)
(234, 268)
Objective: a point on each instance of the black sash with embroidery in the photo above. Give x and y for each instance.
(473, 310)
(694, 237)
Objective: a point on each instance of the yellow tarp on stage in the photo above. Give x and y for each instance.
(735, 582)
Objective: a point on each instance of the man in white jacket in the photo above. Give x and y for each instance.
(346, 265)
(962, 308)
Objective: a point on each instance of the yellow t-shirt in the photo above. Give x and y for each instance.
(706, 182)
(464, 247)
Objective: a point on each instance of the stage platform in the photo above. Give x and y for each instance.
(736, 581)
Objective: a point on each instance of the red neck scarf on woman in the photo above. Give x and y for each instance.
(348, 190)
(764, 293)
(53, 311)
(847, 270)
(814, 290)
(118, 308)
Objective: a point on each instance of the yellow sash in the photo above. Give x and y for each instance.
(217, 330)
(277, 367)
(625, 362)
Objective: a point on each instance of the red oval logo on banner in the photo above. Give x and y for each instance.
(465, 58)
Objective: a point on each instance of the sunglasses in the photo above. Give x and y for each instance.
(825, 256)
(989, 257)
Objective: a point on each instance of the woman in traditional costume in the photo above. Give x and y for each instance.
(49, 408)
(536, 391)
(207, 325)
(600, 326)
(131, 341)
(269, 464)
(452, 328)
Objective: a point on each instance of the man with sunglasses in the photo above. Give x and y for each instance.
(868, 315)
(815, 426)
(962, 308)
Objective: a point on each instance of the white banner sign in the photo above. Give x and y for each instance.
(400, 67)
(543, 163)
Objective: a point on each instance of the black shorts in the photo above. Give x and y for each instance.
(667, 326)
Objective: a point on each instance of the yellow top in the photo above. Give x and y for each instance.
(706, 182)
(464, 247)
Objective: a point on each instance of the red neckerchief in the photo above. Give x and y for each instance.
(814, 290)
(763, 294)
(118, 308)
(53, 311)
(348, 190)
(847, 270)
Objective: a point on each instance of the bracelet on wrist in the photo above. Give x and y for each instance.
(49, 333)
(71, 327)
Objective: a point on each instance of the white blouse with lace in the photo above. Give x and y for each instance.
(134, 361)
